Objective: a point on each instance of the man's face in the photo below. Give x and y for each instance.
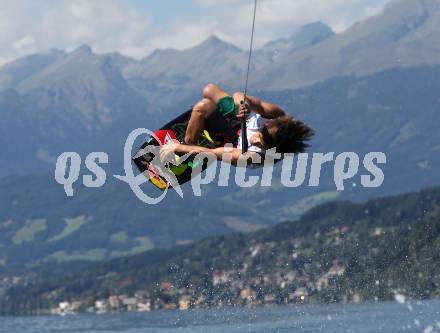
(258, 138)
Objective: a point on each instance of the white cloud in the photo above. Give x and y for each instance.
(111, 25)
(28, 26)
(217, 2)
(25, 43)
(282, 17)
(182, 35)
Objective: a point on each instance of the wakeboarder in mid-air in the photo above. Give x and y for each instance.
(268, 127)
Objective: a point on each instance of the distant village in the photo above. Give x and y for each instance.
(268, 274)
(184, 299)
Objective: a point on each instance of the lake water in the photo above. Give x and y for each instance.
(389, 317)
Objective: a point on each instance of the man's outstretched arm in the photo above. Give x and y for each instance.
(222, 153)
(266, 109)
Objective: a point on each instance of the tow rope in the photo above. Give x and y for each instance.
(244, 141)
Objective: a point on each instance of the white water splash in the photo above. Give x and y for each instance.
(400, 298)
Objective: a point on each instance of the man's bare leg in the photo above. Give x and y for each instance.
(201, 111)
(214, 93)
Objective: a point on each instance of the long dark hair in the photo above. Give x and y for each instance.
(292, 135)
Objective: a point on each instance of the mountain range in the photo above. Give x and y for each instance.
(60, 101)
(404, 34)
(373, 87)
(40, 224)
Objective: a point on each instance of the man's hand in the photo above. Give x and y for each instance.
(244, 111)
(167, 152)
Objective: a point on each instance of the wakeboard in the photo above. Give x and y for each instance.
(218, 132)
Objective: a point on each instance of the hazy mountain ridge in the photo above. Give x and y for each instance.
(63, 106)
(91, 93)
(349, 114)
(178, 74)
(307, 35)
(16, 71)
(83, 102)
(403, 35)
(60, 101)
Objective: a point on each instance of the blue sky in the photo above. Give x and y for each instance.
(137, 27)
(164, 11)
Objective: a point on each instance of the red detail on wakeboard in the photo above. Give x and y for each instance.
(166, 136)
